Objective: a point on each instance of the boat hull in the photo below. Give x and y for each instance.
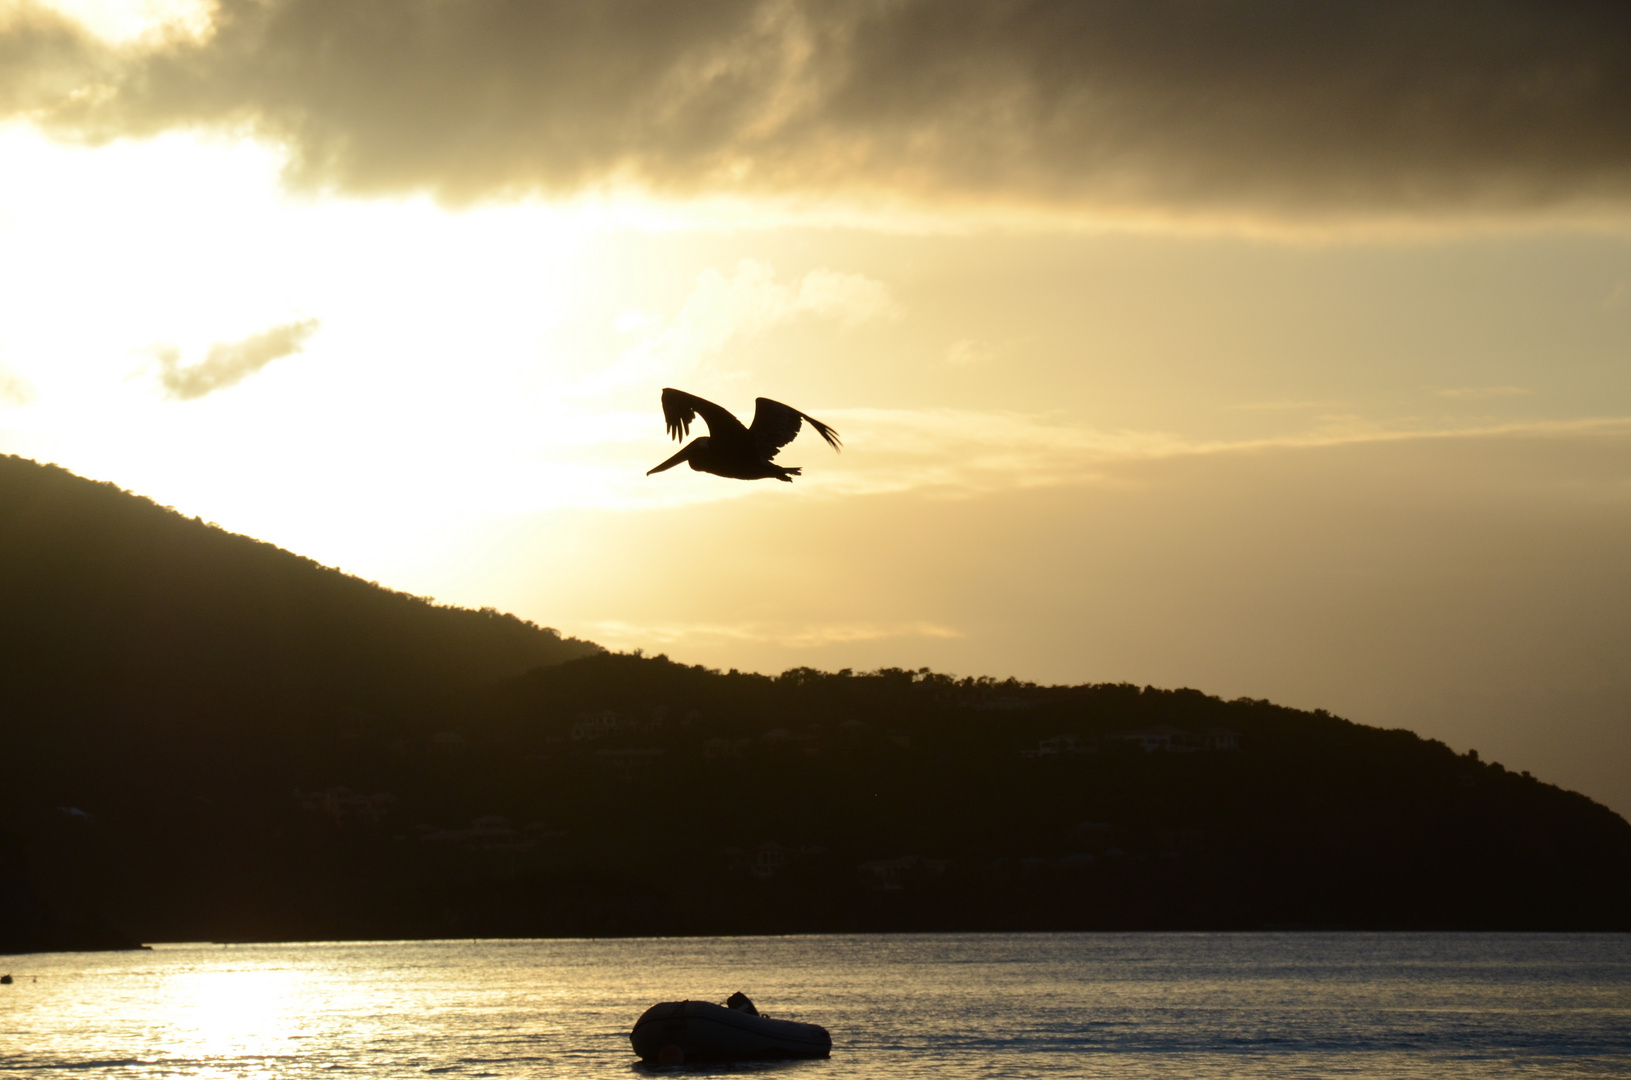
(703, 1031)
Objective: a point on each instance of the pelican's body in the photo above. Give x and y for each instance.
(730, 449)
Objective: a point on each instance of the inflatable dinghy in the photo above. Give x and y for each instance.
(677, 1031)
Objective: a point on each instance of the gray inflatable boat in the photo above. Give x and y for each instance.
(677, 1031)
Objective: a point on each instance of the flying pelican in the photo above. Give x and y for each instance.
(729, 449)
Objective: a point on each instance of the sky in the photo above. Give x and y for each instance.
(1273, 349)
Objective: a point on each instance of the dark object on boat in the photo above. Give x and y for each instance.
(679, 1031)
(742, 1003)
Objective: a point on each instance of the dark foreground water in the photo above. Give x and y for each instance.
(949, 1006)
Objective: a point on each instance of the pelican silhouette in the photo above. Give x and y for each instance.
(729, 449)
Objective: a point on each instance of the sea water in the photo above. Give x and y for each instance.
(949, 1006)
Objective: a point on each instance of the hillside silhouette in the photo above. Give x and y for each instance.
(134, 638)
(207, 738)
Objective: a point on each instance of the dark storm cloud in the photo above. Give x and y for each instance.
(1275, 105)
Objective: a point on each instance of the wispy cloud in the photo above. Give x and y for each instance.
(14, 390)
(1482, 392)
(1290, 405)
(962, 452)
(723, 309)
(789, 635)
(967, 352)
(230, 362)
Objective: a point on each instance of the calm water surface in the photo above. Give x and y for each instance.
(951, 1006)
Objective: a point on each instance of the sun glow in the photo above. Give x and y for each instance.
(232, 1014)
(435, 336)
(125, 21)
(502, 356)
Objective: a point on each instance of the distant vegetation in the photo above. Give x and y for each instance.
(205, 737)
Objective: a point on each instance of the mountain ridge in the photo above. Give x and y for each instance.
(209, 738)
(100, 581)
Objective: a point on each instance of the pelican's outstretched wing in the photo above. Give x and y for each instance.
(775, 424)
(680, 408)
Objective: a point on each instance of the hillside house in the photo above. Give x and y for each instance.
(892, 874)
(1174, 740)
(1157, 738)
(590, 726)
(1063, 746)
(341, 803)
(1219, 739)
(767, 859)
(626, 761)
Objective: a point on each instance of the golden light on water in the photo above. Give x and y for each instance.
(1110, 1005)
(233, 1014)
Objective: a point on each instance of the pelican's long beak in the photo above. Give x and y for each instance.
(675, 460)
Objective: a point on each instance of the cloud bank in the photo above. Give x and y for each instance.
(1263, 107)
(230, 363)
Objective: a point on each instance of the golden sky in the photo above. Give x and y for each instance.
(1273, 349)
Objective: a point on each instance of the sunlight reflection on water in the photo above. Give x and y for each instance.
(1123, 1005)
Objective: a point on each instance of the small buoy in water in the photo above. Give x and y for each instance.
(5, 980)
(671, 1055)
